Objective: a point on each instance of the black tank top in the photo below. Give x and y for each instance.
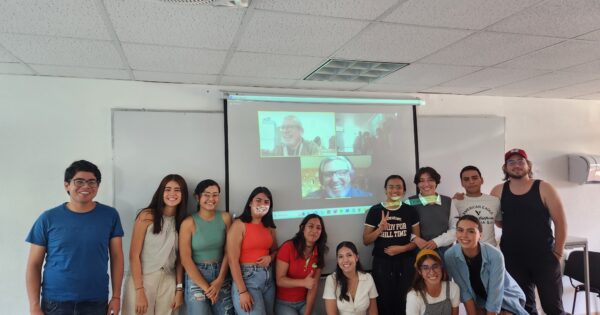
(525, 222)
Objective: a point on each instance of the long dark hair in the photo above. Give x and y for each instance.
(418, 282)
(321, 244)
(341, 279)
(157, 204)
(267, 219)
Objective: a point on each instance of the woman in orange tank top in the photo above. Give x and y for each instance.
(251, 248)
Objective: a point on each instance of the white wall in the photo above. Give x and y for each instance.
(46, 123)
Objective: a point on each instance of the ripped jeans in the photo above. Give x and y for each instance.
(195, 300)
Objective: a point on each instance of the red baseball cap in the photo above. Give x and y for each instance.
(511, 152)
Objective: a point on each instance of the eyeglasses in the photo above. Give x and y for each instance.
(79, 182)
(427, 268)
(515, 162)
(338, 173)
(208, 195)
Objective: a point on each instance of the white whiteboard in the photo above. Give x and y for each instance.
(448, 143)
(148, 145)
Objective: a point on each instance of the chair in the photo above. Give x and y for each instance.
(574, 270)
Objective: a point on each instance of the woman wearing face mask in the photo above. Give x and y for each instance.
(251, 246)
(203, 255)
(389, 225)
(298, 268)
(432, 293)
(478, 269)
(349, 290)
(156, 274)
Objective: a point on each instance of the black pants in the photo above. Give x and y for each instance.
(541, 270)
(393, 277)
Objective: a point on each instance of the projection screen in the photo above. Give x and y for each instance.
(329, 159)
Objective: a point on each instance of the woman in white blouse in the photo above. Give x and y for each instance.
(349, 290)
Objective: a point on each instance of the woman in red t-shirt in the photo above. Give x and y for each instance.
(298, 268)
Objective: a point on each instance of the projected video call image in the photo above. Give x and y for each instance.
(364, 133)
(335, 177)
(285, 134)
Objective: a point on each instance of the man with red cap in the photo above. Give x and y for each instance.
(532, 252)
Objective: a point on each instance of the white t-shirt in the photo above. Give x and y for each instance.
(486, 208)
(364, 293)
(415, 305)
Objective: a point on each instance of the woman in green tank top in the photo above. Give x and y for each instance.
(202, 248)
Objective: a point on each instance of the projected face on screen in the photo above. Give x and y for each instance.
(336, 176)
(288, 134)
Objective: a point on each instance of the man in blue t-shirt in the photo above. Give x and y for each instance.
(76, 240)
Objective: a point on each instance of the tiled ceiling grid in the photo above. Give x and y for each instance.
(531, 48)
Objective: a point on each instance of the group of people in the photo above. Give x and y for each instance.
(216, 265)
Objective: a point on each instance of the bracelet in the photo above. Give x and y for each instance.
(116, 297)
(243, 292)
(178, 290)
(140, 288)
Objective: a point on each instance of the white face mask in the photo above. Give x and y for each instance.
(395, 198)
(261, 210)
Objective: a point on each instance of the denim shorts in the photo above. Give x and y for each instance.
(195, 300)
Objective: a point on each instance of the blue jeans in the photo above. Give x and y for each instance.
(74, 308)
(195, 300)
(259, 282)
(290, 308)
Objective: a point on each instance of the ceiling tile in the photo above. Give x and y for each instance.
(546, 82)
(329, 85)
(14, 68)
(561, 18)
(492, 77)
(468, 14)
(398, 43)
(67, 18)
(487, 49)
(453, 90)
(354, 9)
(81, 72)
(295, 34)
(5, 56)
(174, 59)
(402, 88)
(424, 75)
(172, 24)
(62, 51)
(588, 67)
(591, 36)
(174, 77)
(271, 66)
(254, 81)
(580, 89)
(513, 91)
(559, 56)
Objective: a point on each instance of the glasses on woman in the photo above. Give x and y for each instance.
(427, 268)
